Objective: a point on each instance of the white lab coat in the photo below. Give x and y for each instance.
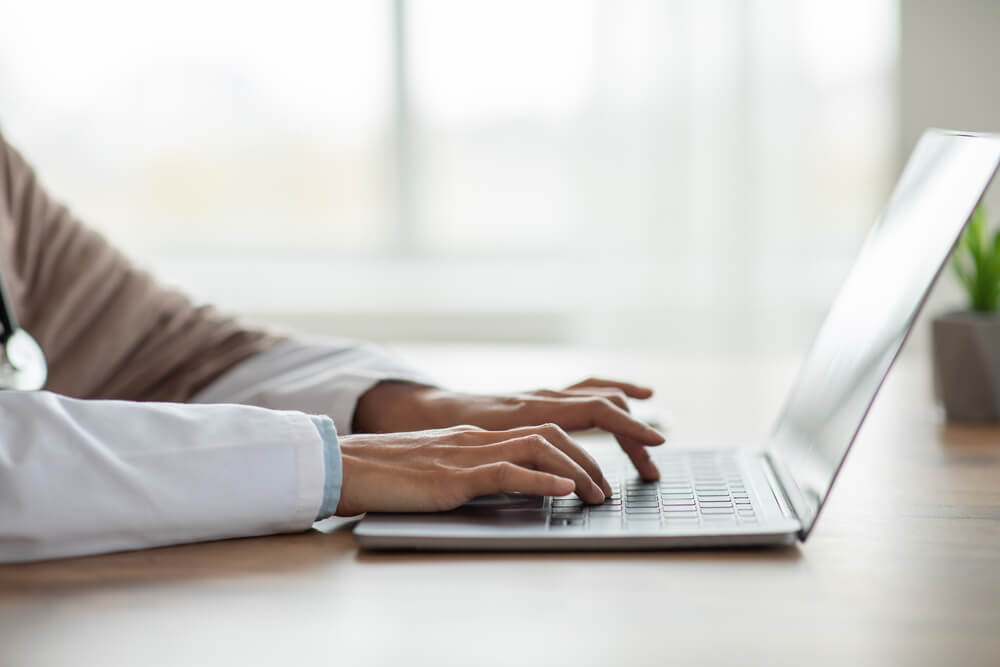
(84, 477)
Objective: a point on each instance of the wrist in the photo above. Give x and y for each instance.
(392, 406)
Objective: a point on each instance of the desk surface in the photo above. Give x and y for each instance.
(902, 569)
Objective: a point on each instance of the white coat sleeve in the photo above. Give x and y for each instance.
(322, 376)
(84, 477)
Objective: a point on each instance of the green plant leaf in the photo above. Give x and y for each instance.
(976, 262)
(963, 273)
(996, 254)
(991, 271)
(974, 234)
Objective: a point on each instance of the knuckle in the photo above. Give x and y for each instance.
(551, 429)
(599, 403)
(536, 441)
(502, 472)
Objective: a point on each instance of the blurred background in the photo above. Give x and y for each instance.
(695, 174)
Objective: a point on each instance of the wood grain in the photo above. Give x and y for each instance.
(902, 569)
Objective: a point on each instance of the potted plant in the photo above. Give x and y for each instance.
(967, 343)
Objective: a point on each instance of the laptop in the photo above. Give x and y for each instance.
(770, 494)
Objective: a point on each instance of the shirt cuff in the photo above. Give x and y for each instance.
(332, 466)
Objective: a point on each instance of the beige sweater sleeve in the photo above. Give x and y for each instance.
(107, 328)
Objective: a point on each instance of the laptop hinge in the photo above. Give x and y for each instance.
(787, 493)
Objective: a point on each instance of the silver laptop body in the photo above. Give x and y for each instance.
(771, 494)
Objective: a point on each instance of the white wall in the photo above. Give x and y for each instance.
(948, 78)
(948, 66)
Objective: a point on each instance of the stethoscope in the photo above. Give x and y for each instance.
(22, 366)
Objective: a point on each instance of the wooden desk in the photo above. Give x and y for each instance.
(903, 568)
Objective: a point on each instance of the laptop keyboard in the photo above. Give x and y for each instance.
(695, 489)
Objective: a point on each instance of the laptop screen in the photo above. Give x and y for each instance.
(875, 308)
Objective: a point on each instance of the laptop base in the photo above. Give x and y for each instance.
(705, 498)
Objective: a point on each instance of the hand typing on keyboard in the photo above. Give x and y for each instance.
(442, 469)
(407, 454)
(594, 403)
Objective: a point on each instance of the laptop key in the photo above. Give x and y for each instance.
(606, 523)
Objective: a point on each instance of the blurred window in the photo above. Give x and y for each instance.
(708, 151)
(207, 125)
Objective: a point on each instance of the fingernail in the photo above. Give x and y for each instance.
(606, 485)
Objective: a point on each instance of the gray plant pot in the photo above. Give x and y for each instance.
(967, 365)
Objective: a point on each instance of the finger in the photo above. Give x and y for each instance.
(616, 396)
(562, 441)
(538, 452)
(631, 390)
(640, 458)
(581, 413)
(507, 477)
(635, 450)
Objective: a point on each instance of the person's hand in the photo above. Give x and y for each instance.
(400, 406)
(428, 471)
